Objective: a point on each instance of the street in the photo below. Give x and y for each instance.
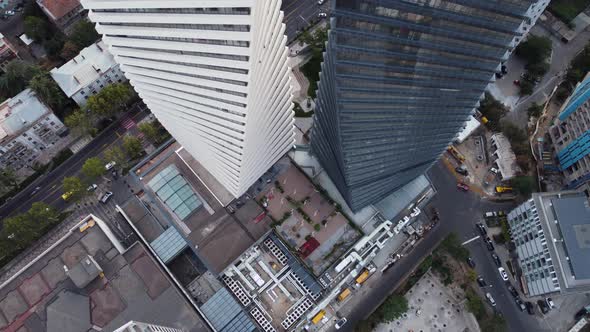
(459, 211)
(51, 183)
(300, 14)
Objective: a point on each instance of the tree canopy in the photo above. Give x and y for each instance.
(20, 231)
(132, 146)
(8, 178)
(117, 155)
(74, 186)
(524, 185)
(83, 34)
(393, 308)
(150, 131)
(93, 167)
(535, 110)
(17, 76)
(79, 121)
(47, 90)
(110, 100)
(493, 110)
(36, 28)
(534, 50)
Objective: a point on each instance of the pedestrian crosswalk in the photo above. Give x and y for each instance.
(127, 123)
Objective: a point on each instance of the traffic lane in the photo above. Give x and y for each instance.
(300, 15)
(51, 183)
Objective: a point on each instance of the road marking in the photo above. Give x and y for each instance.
(470, 240)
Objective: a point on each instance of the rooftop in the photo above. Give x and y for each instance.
(505, 157)
(19, 112)
(56, 9)
(86, 67)
(121, 284)
(178, 193)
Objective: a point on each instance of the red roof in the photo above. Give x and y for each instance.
(59, 8)
(308, 247)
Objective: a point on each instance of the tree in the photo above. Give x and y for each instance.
(474, 304)
(83, 34)
(117, 155)
(132, 146)
(19, 231)
(526, 87)
(46, 88)
(524, 185)
(8, 178)
(17, 76)
(495, 323)
(93, 167)
(54, 46)
(534, 110)
(513, 133)
(537, 69)
(110, 100)
(150, 131)
(493, 110)
(74, 186)
(395, 306)
(471, 275)
(36, 28)
(79, 122)
(534, 50)
(41, 213)
(452, 245)
(69, 50)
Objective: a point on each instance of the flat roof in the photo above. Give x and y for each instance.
(215, 235)
(573, 216)
(41, 296)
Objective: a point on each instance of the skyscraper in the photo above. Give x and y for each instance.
(213, 72)
(399, 80)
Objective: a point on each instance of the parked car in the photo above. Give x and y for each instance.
(581, 314)
(341, 322)
(543, 306)
(321, 2)
(499, 75)
(494, 170)
(462, 186)
(491, 299)
(504, 69)
(105, 198)
(519, 304)
(516, 82)
(481, 282)
(92, 187)
(471, 262)
(9, 12)
(66, 195)
(461, 170)
(110, 165)
(322, 15)
(496, 259)
(513, 291)
(550, 303)
(503, 273)
(481, 228)
(530, 308)
(489, 244)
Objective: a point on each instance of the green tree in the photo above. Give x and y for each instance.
(36, 28)
(46, 88)
(54, 45)
(19, 231)
(534, 50)
(471, 275)
(41, 213)
(475, 304)
(524, 185)
(493, 110)
(74, 186)
(93, 167)
(79, 122)
(513, 133)
(132, 145)
(495, 323)
(537, 69)
(526, 87)
(117, 155)
(16, 77)
(452, 245)
(150, 131)
(535, 110)
(83, 34)
(69, 50)
(8, 178)
(393, 308)
(110, 100)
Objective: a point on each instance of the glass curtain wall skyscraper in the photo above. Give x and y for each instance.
(399, 80)
(214, 73)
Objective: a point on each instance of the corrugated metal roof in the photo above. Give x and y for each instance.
(169, 244)
(226, 315)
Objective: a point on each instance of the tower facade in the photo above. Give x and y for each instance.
(398, 82)
(214, 73)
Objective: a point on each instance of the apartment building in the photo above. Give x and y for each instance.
(7, 52)
(63, 13)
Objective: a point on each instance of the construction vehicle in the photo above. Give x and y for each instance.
(344, 294)
(456, 154)
(501, 190)
(361, 278)
(318, 317)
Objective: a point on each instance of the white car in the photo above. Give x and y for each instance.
(491, 299)
(92, 187)
(321, 2)
(503, 273)
(322, 15)
(494, 170)
(341, 322)
(110, 165)
(550, 303)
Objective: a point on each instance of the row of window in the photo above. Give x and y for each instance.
(216, 27)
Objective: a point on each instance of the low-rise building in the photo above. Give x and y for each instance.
(28, 130)
(551, 232)
(63, 13)
(503, 157)
(88, 73)
(570, 136)
(7, 52)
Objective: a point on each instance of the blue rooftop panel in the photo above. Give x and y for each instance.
(581, 95)
(169, 244)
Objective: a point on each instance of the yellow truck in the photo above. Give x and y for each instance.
(361, 278)
(344, 294)
(456, 154)
(501, 189)
(318, 317)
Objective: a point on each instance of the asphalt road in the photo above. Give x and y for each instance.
(51, 183)
(300, 14)
(459, 211)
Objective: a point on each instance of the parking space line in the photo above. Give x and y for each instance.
(470, 240)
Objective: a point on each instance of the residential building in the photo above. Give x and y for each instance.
(28, 130)
(88, 73)
(215, 75)
(399, 81)
(88, 278)
(7, 52)
(63, 13)
(503, 158)
(570, 136)
(551, 232)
